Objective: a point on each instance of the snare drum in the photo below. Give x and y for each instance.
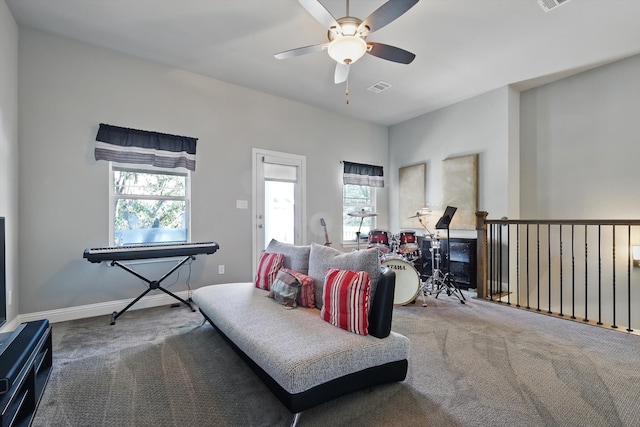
(379, 239)
(407, 281)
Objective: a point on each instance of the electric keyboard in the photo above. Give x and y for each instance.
(127, 253)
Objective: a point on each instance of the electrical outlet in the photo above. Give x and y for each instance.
(221, 269)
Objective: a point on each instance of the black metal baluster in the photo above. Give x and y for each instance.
(528, 305)
(586, 273)
(573, 274)
(613, 253)
(561, 314)
(629, 329)
(549, 259)
(499, 259)
(599, 277)
(491, 246)
(517, 265)
(508, 265)
(538, 261)
(496, 259)
(487, 261)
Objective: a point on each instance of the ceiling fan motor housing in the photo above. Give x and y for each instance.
(347, 44)
(348, 27)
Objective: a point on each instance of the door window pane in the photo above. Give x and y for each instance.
(279, 212)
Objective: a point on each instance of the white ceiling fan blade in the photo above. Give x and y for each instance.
(385, 14)
(320, 13)
(301, 51)
(342, 73)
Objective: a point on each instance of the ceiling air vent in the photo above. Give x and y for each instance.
(379, 87)
(548, 5)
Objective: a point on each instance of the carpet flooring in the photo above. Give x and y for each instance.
(474, 364)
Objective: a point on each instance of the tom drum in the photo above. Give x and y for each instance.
(407, 281)
(379, 239)
(408, 243)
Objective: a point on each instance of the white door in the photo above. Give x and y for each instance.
(278, 203)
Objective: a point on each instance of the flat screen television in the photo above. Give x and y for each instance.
(3, 277)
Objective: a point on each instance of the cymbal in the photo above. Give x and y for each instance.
(362, 214)
(418, 215)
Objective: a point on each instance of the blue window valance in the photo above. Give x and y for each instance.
(362, 174)
(126, 145)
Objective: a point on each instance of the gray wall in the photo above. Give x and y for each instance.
(67, 88)
(9, 148)
(581, 145)
(568, 149)
(480, 125)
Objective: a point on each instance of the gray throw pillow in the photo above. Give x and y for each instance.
(296, 258)
(323, 258)
(285, 289)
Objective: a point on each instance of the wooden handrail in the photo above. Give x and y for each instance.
(562, 221)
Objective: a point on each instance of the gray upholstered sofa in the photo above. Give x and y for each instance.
(303, 359)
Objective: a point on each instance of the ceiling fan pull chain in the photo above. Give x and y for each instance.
(346, 93)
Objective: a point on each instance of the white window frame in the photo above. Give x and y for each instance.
(354, 207)
(149, 169)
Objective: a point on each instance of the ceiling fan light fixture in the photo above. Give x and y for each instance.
(349, 28)
(347, 49)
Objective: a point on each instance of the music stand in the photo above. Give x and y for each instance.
(449, 282)
(443, 223)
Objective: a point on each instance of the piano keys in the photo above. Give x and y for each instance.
(161, 250)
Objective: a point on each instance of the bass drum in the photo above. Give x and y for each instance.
(407, 281)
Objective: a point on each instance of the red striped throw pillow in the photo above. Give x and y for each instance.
(307, 295)
(268, 267)
(346, 300)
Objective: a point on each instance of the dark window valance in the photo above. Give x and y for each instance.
(361, 174)
(125, 145)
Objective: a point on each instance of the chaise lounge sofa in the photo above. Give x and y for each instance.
(304, 354)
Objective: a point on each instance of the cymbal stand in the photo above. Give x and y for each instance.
(358, 234)
(448, 283)
(435, 282)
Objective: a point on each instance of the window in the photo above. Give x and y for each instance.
(148, 205)
(357, 198)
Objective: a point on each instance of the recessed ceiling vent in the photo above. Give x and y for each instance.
(379, 87)
(549, 5)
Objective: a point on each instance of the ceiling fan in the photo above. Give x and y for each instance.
(347, 36)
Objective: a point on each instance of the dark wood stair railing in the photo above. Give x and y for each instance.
(569, 268)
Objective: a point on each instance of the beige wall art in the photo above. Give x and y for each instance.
(460, 189)
(412, 191)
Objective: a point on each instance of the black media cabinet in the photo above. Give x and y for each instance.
(462, 259)
(25, 365)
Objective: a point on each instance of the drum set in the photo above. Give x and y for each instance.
(400, 252)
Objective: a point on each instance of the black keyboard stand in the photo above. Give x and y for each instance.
(153, 284)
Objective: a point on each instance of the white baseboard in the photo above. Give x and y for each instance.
(99, 309)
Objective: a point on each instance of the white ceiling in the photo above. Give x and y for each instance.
(463, 47)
